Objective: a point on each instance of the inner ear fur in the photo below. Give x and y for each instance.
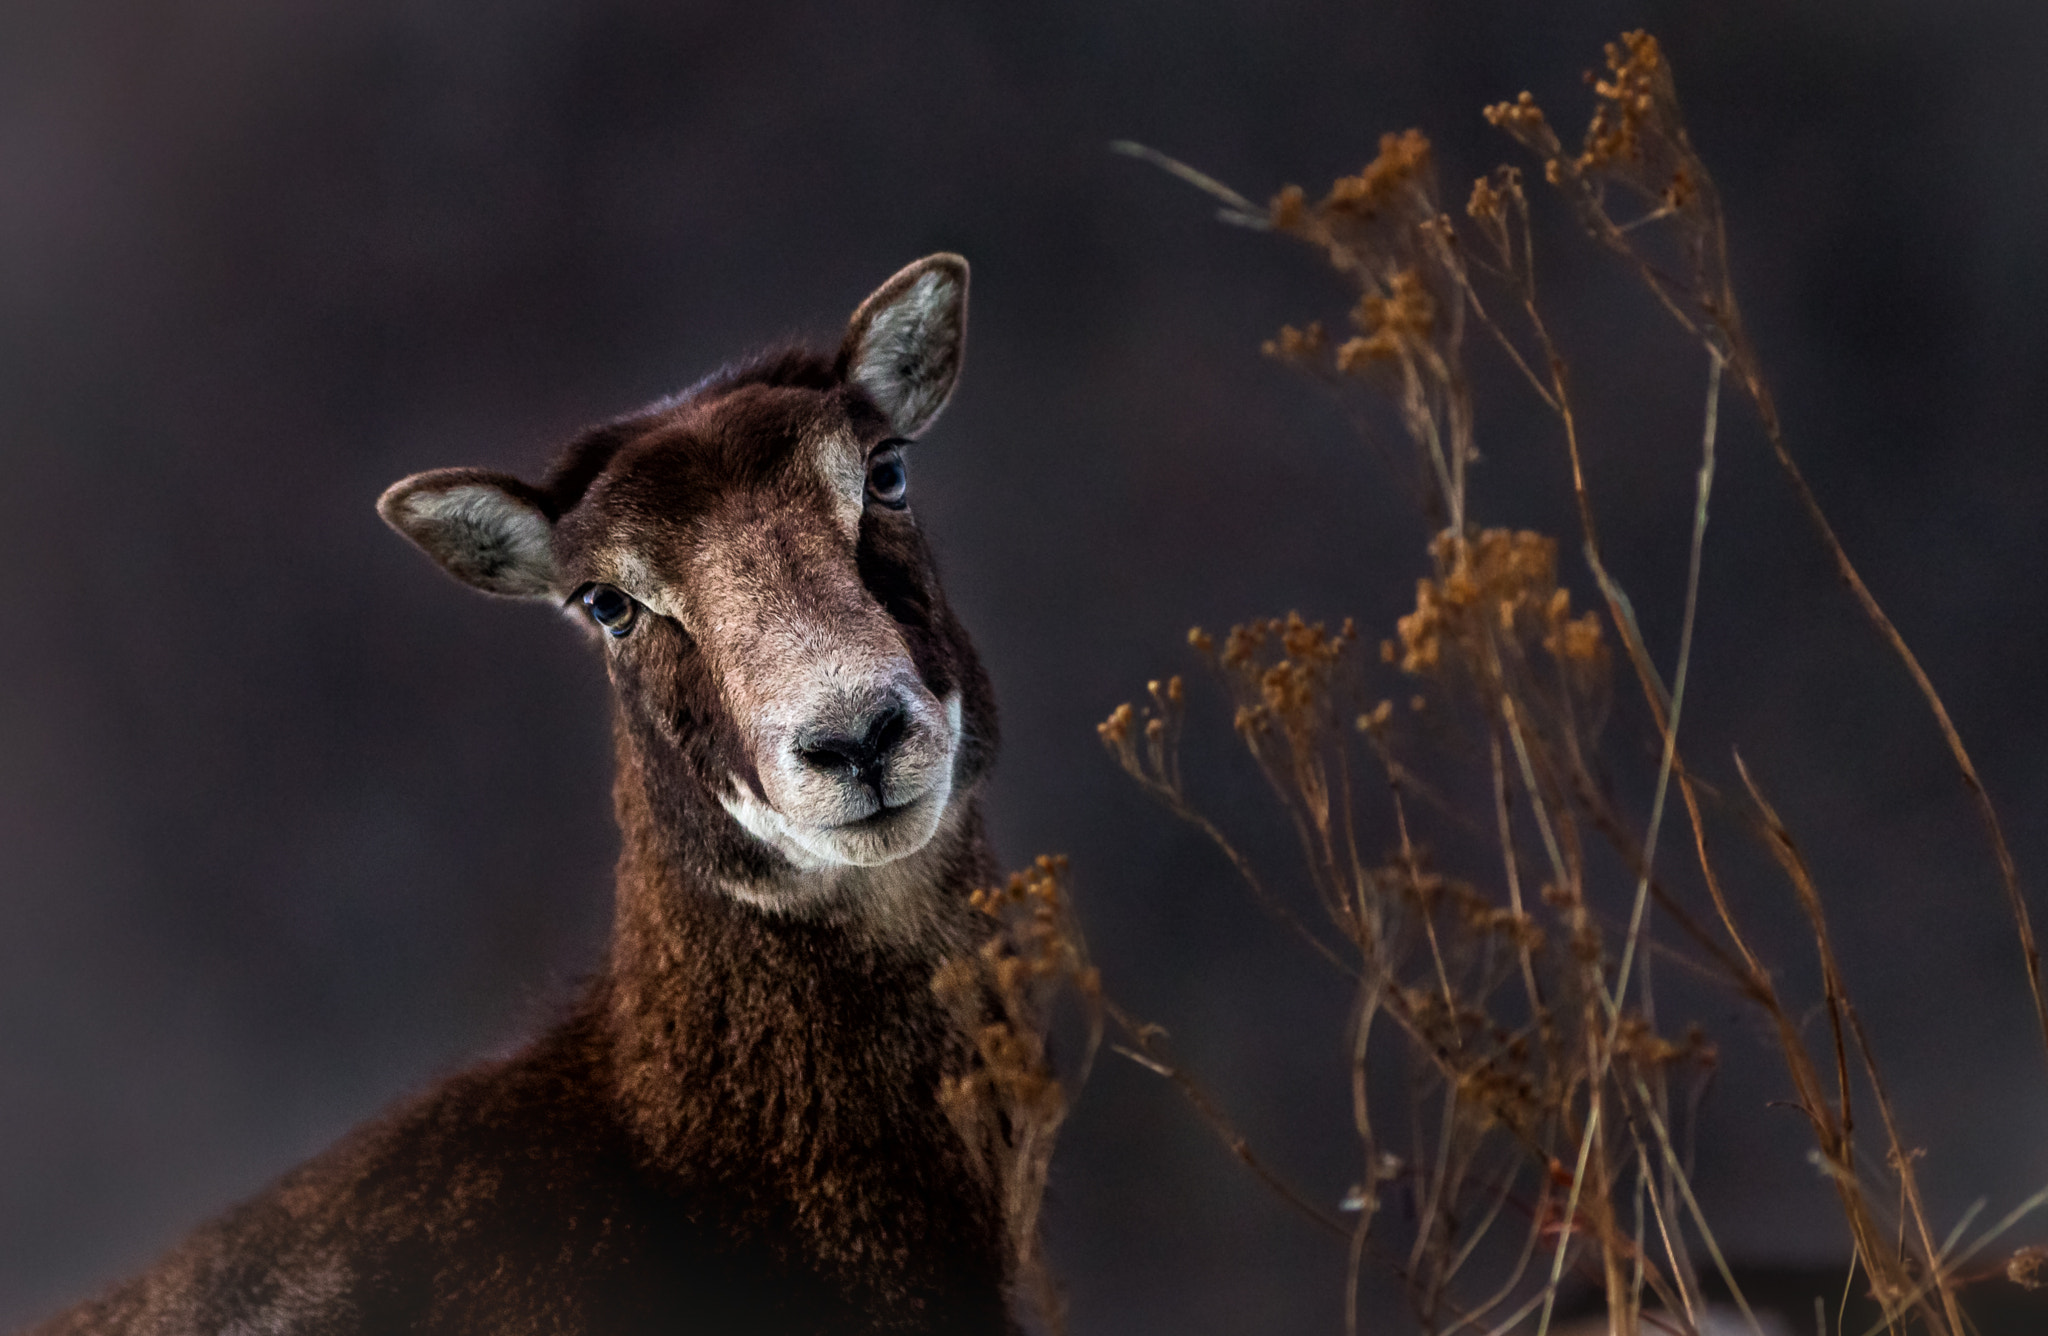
(905, 343)
(488, 530)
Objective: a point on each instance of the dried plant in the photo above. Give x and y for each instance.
(1468, 866)
(1009, 1104)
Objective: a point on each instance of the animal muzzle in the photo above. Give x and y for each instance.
(860, 774)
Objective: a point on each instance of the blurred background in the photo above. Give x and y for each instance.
(290, 824)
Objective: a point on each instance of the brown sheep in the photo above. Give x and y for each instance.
(738, 1126)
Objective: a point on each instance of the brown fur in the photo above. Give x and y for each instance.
(737, 1128)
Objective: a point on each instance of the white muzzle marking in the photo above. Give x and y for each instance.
(818, 819)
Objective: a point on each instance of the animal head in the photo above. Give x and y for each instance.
(793, 694)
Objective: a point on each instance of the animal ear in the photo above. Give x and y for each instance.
(905, 342)
(486, 529)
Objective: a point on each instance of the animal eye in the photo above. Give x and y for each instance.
(609, 607)
(888, 481)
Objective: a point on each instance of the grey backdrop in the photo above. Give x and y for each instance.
(289, 823)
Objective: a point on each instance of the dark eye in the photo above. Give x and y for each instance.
(887, 479)
(610, 608)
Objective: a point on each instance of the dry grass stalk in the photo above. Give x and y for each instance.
(1542, 1087)
(1637, 148)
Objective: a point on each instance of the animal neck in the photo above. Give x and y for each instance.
(794, 1062)
(791, 1068)
(783, 1034)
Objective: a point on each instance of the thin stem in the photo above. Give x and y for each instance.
(1678, 680)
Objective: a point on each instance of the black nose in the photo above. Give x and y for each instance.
(860, 757)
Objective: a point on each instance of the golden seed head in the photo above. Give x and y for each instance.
(1293, 344)
(1485, 203)
(1242, 643)
(1288, 209)
(1403, 161)
(1520, 117)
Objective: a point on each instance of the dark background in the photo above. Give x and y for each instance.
(289, 823)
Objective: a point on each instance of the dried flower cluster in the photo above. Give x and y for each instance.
(1497, 584)
(1384, 230)
(1637, 145)
(1009, 1101)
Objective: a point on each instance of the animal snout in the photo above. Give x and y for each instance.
(859, 750)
